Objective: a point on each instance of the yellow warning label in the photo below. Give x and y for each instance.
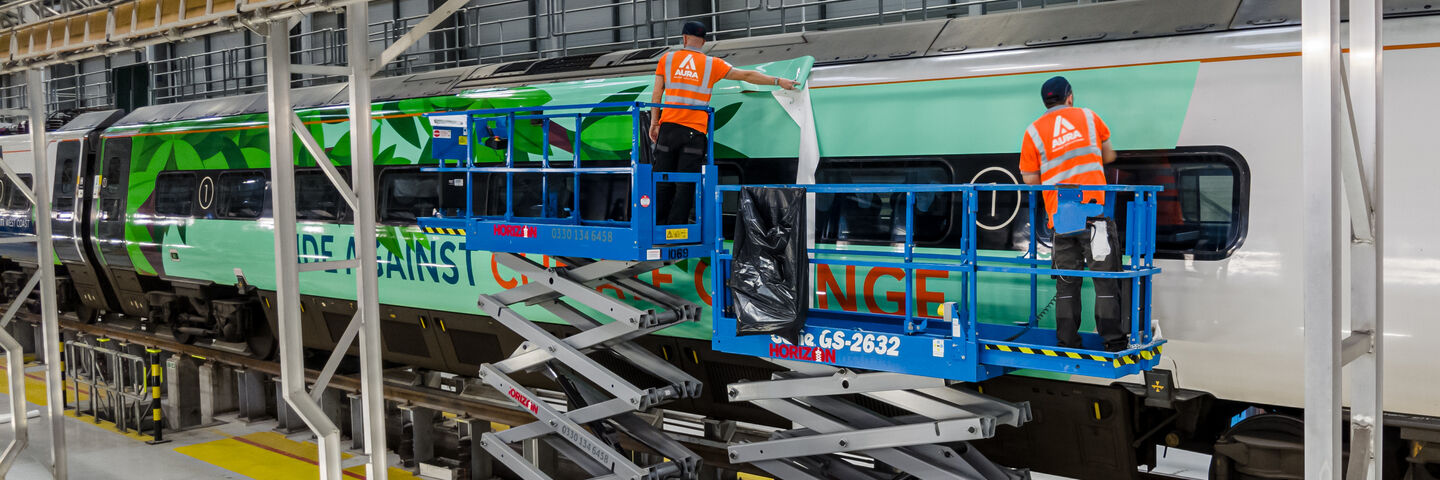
(677, 233)
(463, 140)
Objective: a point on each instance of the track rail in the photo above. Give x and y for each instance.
(497, 410)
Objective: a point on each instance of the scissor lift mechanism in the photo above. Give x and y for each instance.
(588, 253)
(819, 397)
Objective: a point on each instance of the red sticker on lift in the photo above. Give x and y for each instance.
(645, 201)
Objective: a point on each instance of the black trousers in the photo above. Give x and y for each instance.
(1073, 252)
(677, 149)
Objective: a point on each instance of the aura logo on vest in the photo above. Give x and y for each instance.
(1064, 133)
(687, 68)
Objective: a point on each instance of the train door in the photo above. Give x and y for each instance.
(109, 226)
(74, 169)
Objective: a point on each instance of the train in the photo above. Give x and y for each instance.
(163, 214)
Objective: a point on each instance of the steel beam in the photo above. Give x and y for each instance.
(367, 297)
(19, 418)
(322, 160)
(1367, 249)
(333, 363)
(287, 272)
(19, 299)
(419, 30)
(45, 253)
(1322, 248)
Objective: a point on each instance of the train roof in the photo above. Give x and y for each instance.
(1033, 28)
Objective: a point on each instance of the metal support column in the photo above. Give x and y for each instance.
(359, 194)
(45, 251)
(928, 443)
(1325, 90)
(1367, 249)
(362, 161)
(287, 271)
(14, 351)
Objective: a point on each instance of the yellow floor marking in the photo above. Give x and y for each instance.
(133, 435)
(35, 387)
(269, 455)
(748, 476)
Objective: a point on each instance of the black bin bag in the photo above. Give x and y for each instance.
(770, 273)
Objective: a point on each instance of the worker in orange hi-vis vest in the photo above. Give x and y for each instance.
(685, 77)
(1069, 145)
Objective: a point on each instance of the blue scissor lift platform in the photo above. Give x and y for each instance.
(957, 343)
(909, 361)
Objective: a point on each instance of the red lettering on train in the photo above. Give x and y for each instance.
(700, 266)
(659, 278)
(830, 288)
(924, 296)
(893, 296)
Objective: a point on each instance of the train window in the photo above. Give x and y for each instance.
(603, 197)
(452, 193)
(1203, 211)
(17, 199)
(67, 154)
(174, 193)
(408, 194)
(880, 218)
(241, 194)
(315, 197)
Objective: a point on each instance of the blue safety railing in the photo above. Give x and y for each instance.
(959, 343)
(457, 136)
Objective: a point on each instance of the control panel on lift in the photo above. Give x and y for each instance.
(553, 192)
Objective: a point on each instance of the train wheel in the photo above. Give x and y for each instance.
(181, 337)
(1266, 446)
(261, 340)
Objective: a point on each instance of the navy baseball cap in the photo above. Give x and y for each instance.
(695, 29)
(1055, 89)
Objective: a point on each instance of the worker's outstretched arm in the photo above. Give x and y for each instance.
(1107, 154)
(758, 78)
(656, 96)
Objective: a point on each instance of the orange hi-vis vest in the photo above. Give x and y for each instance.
(689, 76)
(1064, 147)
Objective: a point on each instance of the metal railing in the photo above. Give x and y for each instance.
(510, 30)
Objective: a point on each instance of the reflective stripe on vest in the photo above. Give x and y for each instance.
(702, 90)
(1046, 165)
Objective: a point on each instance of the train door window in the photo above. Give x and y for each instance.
(408, 194)
(452, 193)
(67, 162)
(18, 200)
(315, 197)
(880, 218)
(1203, 213)
(112, 193)
(730, 174)
(174, 193)
(241, 194)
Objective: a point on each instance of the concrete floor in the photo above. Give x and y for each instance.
(235, 450)
(231, 450)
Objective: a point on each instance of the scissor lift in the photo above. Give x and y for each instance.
(587, 252)
(909, 361)
(838, 373)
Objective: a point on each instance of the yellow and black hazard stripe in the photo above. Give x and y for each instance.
(1117, 361)
(1046, 352)
(444, 231)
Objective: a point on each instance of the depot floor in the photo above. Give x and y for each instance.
(231, 450)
